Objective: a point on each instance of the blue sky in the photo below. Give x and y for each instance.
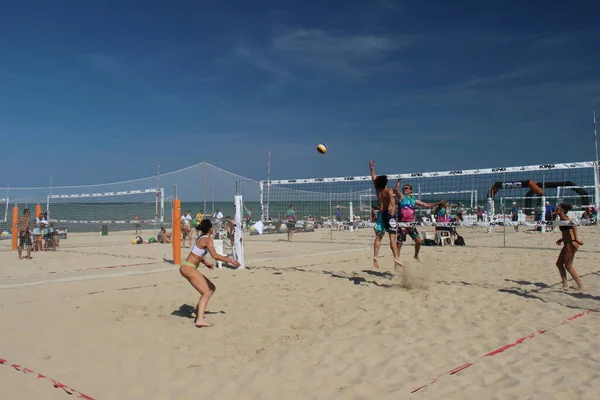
(99, 91)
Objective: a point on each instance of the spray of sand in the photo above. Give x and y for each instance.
(416, 275)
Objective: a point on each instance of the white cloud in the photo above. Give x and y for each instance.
(341, 55)
(315, 55)
(257, 58)
(316, 42)
(565, 39)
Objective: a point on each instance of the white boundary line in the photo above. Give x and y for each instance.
(87, 278)
(166, 269)
(311, 254)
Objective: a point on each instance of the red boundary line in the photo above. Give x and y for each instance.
(504, 348)
(55, 383)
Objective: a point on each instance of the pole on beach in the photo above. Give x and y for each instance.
(15, 229)
(267, 217)
(176, 229)
(595, 137)
(157, 199)
(596, 171)
(204, 186)
(48, 199)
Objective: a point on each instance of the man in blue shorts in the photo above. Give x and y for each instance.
(406, 213)
(387, 210)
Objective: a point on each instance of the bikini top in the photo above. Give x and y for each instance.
(197, 250)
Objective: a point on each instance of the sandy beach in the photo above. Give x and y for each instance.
(309, 319)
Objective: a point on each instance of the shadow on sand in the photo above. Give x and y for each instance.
(188, 311)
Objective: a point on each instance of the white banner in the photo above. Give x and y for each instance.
(106, 194)
(462, 172)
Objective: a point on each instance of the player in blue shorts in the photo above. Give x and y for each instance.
(406, 213)
(387, 209)
(376, 217)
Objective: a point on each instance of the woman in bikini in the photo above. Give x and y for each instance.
(570, 243)
(189, 269)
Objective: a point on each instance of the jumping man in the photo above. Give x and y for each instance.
(406, 213)
(387, 209)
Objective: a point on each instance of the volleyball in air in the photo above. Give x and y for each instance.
(321, 148)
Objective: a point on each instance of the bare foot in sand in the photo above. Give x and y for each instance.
(201, 323)
(375, 263)
(397, 263)
(579, 290)
(565, 288)
(417, 258)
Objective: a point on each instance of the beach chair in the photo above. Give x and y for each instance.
(444, 238)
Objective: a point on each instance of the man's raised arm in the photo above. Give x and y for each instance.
(397, 190)
(372, 167)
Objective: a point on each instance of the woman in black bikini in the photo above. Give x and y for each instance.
(571, 245)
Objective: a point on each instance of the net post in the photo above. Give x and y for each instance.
(162, 205)
(503, 211)
(176, 229)
(351, 211)
(597, 188)
(262, 206)
(329, 216)
(543, 216)
(15, 229)
(490, 213)
(239, 231)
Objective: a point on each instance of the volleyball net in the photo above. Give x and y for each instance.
(97, 224)
(477, 198)
(130, 207)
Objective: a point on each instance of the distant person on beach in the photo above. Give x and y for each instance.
(138, 227)
(199, 218)
(189, 270)
(441, 216)
(549, 215)
(571, 243)
(37, 233)
(229, 227)
(248, 216)
(387, 208)
(460, 209)
(480, 212)
(338, 217)
(186, 229)
(291, 222)
(164, 236)
(514, 215)
(24, 235)
(406, 213)
(218, 220)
